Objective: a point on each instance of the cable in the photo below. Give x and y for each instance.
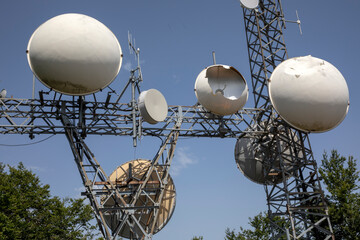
(25, 144)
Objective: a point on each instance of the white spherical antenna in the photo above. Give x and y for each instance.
(74, 54)
(152, 105)
(309, 93)
(250, 4)
(138, 170)
(221, 89)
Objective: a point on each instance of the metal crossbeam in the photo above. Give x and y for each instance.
(24, 116)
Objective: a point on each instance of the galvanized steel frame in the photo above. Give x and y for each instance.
(37, 117)
(298, 199)
(99, 188)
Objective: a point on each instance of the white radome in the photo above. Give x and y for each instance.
(3, 93)
(153, 106)
(309, 93)
(74, 54)
(250, 4)
(221, 89)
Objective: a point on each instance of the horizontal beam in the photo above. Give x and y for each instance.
(34, 116)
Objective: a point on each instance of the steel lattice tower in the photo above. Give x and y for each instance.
(296, 205)
(298, 199)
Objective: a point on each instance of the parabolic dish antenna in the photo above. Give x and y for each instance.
(221, 89)
(152, 105)
(250, 4)
(309, 93)
(128, 176)
(74, 54)
(252, 155)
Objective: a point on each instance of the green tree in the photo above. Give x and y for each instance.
(197, 238)
(341, 179)
(28, 211)
(261, 229)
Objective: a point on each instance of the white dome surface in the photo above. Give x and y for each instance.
(309, 93)
(74, 54)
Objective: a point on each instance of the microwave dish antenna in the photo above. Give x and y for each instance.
(221, 89)
(249, 4)
(127, 178)
(153, 106)
(3, 93)
(253, 153)
(309, 93)
(74, 54)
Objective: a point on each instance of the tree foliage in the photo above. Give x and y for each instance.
(28, 211)
(341, 178)
(198, 238)
(260, 229)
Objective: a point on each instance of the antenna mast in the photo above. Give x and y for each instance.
(298, 198)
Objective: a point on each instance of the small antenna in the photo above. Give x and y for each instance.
(298, 22)
(132, 45)
(133, 49)
(214, 59)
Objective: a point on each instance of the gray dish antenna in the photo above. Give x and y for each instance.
(251, 153)
(250, 156)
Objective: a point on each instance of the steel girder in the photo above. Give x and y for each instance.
(34, 116)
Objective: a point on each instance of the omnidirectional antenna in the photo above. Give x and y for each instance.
(132, 46)
(133, 49)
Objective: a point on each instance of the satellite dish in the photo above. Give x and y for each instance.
(250, 4)
(251, 153)
(152, 105)
(74, 54)
(126, 177)
(309, 93)
(3, 93)
(221, 89)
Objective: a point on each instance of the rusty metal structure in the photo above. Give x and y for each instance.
(296, 205)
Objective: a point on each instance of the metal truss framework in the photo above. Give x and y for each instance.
(296, 206)
(77, 119)
(128, 207)
(34, 117)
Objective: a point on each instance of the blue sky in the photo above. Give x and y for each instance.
(176, 39)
